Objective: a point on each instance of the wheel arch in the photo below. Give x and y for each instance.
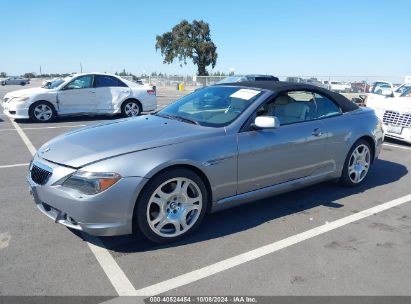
(190, 167)
(371, 142)
(42, 100)
(131, 99)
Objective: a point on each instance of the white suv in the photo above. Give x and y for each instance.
(393, 108)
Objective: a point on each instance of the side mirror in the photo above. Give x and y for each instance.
(266, 122)
(387, 93)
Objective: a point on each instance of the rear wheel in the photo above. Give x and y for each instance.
(131, 108)
(357, 164)
(172, 206)
(42, 111)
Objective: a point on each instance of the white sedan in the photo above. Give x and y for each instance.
(88, 93)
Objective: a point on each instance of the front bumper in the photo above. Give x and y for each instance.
(16, 110)
(404, 135)
(105, 214)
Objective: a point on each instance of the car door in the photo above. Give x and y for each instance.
(110, 92)
(294, 150)
(78, 96)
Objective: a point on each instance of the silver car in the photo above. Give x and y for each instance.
(15, 80)
(218, 147)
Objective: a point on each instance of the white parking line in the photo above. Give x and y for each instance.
(41, 128)
(113, 271)
(397, 146)
(15, 165)
(23, 136)
(118, 279)
(240, 259)
(124, 287)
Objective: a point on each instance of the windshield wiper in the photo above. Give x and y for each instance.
(179, 118)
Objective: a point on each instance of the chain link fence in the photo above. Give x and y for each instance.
(342, 84)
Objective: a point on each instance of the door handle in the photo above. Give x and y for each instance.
(317, 132)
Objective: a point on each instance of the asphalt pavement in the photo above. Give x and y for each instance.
(266, 240)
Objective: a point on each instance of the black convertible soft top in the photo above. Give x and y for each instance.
(281, 86)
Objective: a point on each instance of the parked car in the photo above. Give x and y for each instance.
(215, 148)
(382, 94)
(340, 87)
(360, 87)
(311, 81)
(393, 111)
(240, 78)
(88, 93)
(316, 82)
(15, 80)
(52, 83)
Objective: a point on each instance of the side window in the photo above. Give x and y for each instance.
(82, 82)
(291, 107)
(297, 106)
(108, 81)
(325, 106)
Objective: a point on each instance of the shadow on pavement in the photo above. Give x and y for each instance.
(390, 140)
(254, 214)
(73, 119)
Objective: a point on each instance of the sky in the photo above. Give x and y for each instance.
(278, 37)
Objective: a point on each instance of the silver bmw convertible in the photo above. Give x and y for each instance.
(218, 147)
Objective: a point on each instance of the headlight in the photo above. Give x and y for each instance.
(20, 99)
(90, 183)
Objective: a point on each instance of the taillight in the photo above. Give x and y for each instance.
(151, 92)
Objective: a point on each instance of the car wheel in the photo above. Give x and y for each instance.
(22, 83)
(42, 111)
(3, 83)
(357, 164)
(130, 108)
(171, 206)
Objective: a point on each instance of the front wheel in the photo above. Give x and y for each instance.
(130, 108)
(172, 206)
(42, 111)
(357, 164)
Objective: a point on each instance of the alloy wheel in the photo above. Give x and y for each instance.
(359, 163)
(131, 109)
(174, 207)
(43, 112)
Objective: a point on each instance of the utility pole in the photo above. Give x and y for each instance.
(40, 71)
(81, 68)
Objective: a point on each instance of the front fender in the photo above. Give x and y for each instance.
(216, 157)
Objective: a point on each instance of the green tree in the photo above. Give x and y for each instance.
(3, 74)
(189, 40)
(29, 75)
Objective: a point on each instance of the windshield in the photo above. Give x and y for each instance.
(232, 79)
(53, 84)
(215, 106)
(379, 87)
(406, 92)
(403, 88)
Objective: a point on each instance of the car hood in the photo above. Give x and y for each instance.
(25, 92)
(402, 104)
(94, 143)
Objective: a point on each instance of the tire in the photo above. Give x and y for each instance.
(22, 83)
(357, 164)
(42, 111)
(179, 213)
(3, 83)
(130, 108)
